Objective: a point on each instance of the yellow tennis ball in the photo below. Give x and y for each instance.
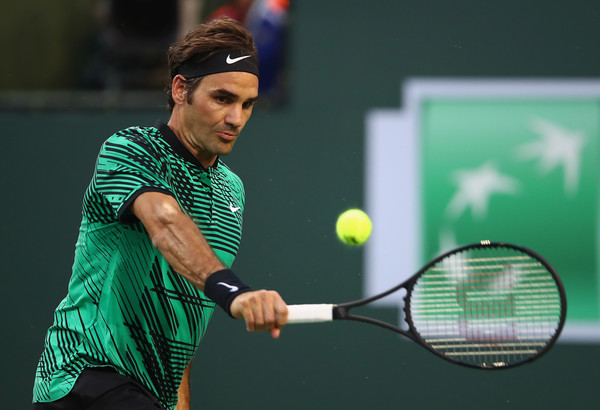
(353, 227)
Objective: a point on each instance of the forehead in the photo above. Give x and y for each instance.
(245, 85)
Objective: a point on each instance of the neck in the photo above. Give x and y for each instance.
(175, 125)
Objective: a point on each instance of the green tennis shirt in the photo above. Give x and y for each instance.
(125, 306)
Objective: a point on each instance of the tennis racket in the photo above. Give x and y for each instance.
(486, 305)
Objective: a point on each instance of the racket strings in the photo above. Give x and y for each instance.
(489, 307)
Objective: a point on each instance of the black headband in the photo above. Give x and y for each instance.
(223, 61)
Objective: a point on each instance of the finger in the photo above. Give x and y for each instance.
(275, 332)
(269, 310)
(258, 312)
(248, 315)
(281, 315)
(281, 310)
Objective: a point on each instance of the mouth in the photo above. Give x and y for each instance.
(227, 136)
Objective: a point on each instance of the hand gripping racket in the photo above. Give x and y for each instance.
(486, 305)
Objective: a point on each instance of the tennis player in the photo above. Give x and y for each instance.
(162, 223)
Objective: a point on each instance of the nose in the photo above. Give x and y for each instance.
(235, 116)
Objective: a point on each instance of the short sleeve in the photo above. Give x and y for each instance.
(129, 164)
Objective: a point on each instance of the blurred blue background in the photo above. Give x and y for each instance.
(302, 158)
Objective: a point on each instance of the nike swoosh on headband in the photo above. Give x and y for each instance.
(230, 60)
(200, 65)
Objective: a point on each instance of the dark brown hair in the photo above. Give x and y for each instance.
(208, 39)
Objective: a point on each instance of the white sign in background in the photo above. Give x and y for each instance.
(394, 181)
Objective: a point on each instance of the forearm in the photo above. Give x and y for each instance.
(182, 244)
(187, 251)
(177, 238)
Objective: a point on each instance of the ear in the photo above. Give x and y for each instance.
(178, 89)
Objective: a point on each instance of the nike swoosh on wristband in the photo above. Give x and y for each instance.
(232, 288)
(230, 60)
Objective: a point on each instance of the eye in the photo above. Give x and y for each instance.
(248, 104)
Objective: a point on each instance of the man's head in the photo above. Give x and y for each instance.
(198, 53)
(213, 89)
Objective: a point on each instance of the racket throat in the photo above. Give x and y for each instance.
(340, 312)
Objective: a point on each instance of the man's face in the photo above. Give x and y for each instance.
(219, 108)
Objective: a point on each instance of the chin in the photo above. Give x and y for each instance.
(227, 148)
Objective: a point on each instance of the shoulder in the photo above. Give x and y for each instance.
(231, 177)
(135, 135)
(227, 172)
(134, 141)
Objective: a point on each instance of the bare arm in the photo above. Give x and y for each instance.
(182, 244)
(176, 236)
(183, 393)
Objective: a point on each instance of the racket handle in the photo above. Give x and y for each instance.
(310, 313)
